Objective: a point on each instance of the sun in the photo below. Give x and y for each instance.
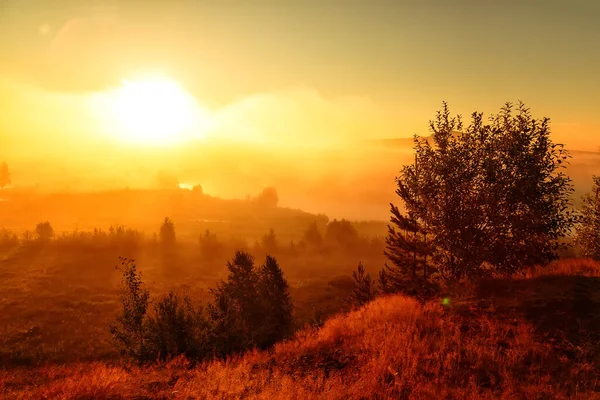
(153, 111)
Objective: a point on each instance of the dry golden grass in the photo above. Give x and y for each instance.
(392, 348)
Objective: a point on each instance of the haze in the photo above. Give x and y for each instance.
(294, 95)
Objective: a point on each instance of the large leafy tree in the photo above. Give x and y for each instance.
(487, 198)
(588, 231)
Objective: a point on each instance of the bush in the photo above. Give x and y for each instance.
(176, 327)
(44, 231)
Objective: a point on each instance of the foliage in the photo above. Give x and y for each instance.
(210, 246)
(5, 178)
(313, 236)
(8, 239)
(588, 231)
(251, 309)
(129, 329)
(276, 302)
(342, 233)
(269, 242)
(364, 287)
(490, 198)
(176, 327)
(44, 231)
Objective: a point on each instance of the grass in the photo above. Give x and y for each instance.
(56, 302)
(495, 341)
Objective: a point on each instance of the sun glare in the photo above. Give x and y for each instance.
(154, 111)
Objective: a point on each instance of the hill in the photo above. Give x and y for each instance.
(527, 337)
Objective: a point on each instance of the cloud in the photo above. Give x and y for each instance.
(302, 116)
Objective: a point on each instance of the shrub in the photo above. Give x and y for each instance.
(176, 327)
(44, 231)
(129, 328)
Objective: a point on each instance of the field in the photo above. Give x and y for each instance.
(58, 298)
(533, 337)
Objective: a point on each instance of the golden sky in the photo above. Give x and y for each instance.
(293, 73)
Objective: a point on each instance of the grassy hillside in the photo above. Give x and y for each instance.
(533, 337)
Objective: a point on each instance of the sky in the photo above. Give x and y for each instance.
(295, 72)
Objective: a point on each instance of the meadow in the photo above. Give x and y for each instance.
(531, 337)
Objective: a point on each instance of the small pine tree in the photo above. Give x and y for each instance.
(128, 330)
(234, 314)
(588, 231)
(273, 290)
(364, 287)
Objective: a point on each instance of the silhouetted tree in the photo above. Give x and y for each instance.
(210, 247)
(5, 178)
(313, 236)
(269, 242)
(277, 306)
(8, 239)
(341, 232)
(44, 231)
(364, 287)
(167, 233)
(129, 328)
(488, 198)
(251, 309)
(588, 231)
(268, 198)
(234, 314)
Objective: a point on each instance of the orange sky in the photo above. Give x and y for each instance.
(291, 74)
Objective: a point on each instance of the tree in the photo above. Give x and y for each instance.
(234, 314)
(167, 233)
(364, 287)
(588, 231)
(313, 236)
(128, 330)
(4, 176)
(273, 292)
(491, 198)
(268, 198)
(251, 309)
(44, 231)
(210, 247)
(341, 232)
(269, 242)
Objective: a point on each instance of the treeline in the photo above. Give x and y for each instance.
(337, 236)
(251, 309)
